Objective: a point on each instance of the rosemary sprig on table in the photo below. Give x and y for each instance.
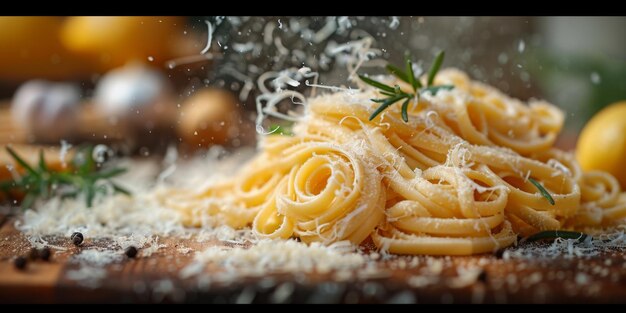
(553, 234)
(543, 191)
(42, 182)
(394, 94)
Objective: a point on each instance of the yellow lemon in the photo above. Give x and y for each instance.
(115, 40)
(602, 143)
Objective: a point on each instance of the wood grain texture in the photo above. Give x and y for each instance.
(91, 125)
(156, 279)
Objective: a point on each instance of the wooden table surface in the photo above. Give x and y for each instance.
(597, 279)
(142, 280)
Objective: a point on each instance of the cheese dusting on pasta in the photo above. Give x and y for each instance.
(453, 180)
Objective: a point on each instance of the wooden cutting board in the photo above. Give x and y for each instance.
(582, 280)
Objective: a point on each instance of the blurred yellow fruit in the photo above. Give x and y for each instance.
(602, 143)
(115, 40)
(30, 48)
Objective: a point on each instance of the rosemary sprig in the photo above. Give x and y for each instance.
(41, 182)
(435, 68)
(543, 191)
(553, 234)
(394, 94)
(434, 89)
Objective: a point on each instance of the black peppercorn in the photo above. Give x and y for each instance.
(45, 254)
(20, 262)
(499, 254)
(33, 254)
(131, 252)
(482, 277)
(77, 238)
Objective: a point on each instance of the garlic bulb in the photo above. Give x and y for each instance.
(47, 111)
(137, 94)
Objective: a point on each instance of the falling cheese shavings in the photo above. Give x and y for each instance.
(326, 31)
(65, 147)
(171, 64)
(559, 166)
(210, 38)
(283, 78)
(395, 22)
(267, 103)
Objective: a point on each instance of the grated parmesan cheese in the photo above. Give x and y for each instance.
(593, 245)
(87, 276)
(269, 256)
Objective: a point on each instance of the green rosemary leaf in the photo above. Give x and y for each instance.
(90, 193)
(21, 161)
(64, 178)
(543, 191)
(7, 185)
(84, 160)
(553, 234)
(394, 94)
(44, 186)
(390, 94)
(38, 183)
(435, 68)
(378, 85)
(435, 89)
(386, 104)
(405, 108)
(410, 75)
(397, 72)
(42, 162)
(280, 130)
(28, 201)
(69, 194)
(120, 189)
(109, 173)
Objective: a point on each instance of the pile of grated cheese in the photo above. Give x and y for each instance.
(116, 222)
(277, 256)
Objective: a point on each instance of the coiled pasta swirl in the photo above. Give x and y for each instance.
(458, 178)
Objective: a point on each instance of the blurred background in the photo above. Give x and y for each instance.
(141, 84)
